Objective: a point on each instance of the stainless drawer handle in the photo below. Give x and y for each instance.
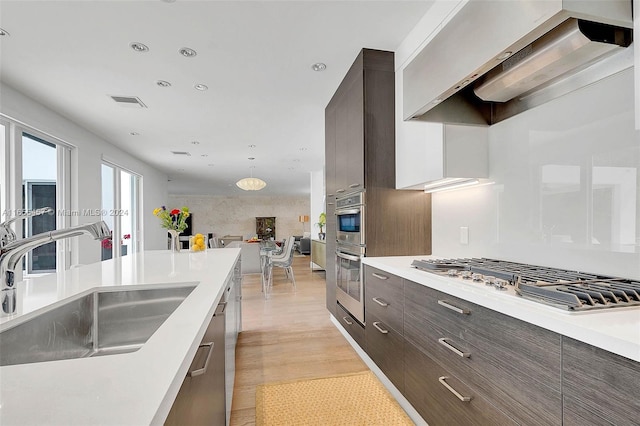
(346, 319)
(380, 329)
(201, 371)
(354, 185)
(380, 302)
(380, 276)
(340, 191)
(329, 204)
(443, 380)
(443, 341)
(453, 308)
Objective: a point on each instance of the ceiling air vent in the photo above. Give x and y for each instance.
(128, 101)
(185, 153)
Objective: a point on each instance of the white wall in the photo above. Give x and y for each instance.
(317, 201)
(86, 162)
(236, 215)
(567, 187)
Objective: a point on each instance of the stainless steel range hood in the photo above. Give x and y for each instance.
(495, 59)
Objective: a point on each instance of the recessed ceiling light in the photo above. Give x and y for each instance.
(195, 142)
(436, 101)
(296, 160)
(163, 83)
(134, 133)
(303, 149)
(139, 47)
(318, 66)
(210, 164)
(252, 146)
(504, 55)
(201, 87)
(4, 32)
(187, 52)
(204, 155)
(252, 158)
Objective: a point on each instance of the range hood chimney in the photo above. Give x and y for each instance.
(513, 56)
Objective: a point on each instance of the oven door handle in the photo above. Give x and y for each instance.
(347, 211)
(348, 256)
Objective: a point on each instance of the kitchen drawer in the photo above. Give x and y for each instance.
(439, 405)
(492, 371)
(352, 326)
(385, 347)
(606, 384)
(532, 350)
(384, 297)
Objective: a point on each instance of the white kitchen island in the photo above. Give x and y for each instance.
(135, 388)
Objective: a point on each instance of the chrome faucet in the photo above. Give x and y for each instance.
(12, 252)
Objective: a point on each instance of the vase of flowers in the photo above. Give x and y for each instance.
(175, 222)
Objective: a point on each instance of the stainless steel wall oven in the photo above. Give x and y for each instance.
(350, 248)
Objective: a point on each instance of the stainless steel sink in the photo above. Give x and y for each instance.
(104, 322)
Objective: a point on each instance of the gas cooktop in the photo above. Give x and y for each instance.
(570, 290)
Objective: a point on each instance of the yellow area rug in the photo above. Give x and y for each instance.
(346, 400)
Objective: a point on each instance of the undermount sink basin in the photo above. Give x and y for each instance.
(103, 322)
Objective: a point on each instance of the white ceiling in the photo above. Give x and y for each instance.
(255, 57)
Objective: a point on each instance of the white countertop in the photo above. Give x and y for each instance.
(615, 330)
(136, 388)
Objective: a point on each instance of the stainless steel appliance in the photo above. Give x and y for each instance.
(350, 219)
(569, 290)
(350, 248)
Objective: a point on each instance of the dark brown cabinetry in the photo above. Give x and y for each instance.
(599, 388)
(512, 365)
(459, 363)
(355, 329)
(360, 155)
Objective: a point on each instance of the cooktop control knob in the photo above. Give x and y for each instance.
(489, 280)
(477, 277)
(501, 284)
(452, 272)
(465, 274)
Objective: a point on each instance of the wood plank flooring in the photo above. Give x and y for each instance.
(287, 337)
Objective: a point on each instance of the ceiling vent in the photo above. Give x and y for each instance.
(185, 153)
(128, 101)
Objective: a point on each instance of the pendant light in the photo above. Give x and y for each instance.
(251, 183)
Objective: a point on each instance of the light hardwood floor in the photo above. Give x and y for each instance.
(287, 337)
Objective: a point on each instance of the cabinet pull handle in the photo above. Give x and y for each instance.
(380, 302)
(444, 342)
(380, 276)
(201, 371)
(346, 319)
(354, 185)
(329, 195)
(453, 308)
(340, 191)
(329, 204)
(380, 329)
(443, 381)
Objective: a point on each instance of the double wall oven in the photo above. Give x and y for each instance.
(350, 248)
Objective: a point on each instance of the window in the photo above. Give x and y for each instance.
(35, 174)
(120, 210)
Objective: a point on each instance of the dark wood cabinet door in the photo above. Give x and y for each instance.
(385, 347)
(431, 389)
(599, 384)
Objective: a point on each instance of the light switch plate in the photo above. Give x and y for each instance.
(464, 235)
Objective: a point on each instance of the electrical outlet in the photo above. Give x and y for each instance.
(464, 235)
